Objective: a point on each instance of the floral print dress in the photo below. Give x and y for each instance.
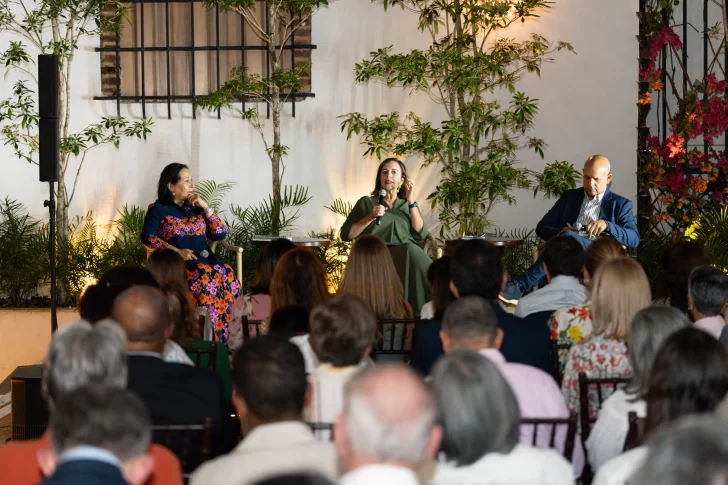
(597, 357)
(211, 282)
(570, 326)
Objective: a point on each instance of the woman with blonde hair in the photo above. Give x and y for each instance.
(620, 291)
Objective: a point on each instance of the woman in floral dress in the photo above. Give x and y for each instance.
(182, 221)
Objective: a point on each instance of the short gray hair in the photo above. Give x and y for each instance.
(709, 288)
(105, 417)
(470, 317)
(693, 449)
(650, 328)
(478, 410)
(389, 414)
(83, 354)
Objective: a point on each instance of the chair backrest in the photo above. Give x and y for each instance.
(604, 387)
(204, 358)
(550, 426)
(191, 443)
(558, 355)
(636, 431)
(396, 338)
(251, 328)
(322, 431)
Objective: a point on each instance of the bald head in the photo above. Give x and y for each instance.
(142, 313)
(597, 175)
(389, 417)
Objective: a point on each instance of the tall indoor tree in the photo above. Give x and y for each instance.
(471, 69)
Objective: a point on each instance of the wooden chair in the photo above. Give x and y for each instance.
(585, 385)
(553, 424)
(322, 430)
(557, 350)
(213, 245)
(636, 432)
(392, 342)
(191, 443)
(204, 358)
(247, 334)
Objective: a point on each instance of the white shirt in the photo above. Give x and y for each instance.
(174, 353)
(379, 475)
(618, 470)
(524, 465)
(589, 211)
(327, 395)
(563, 291)
(309, 357)
(427, 312)
(607, 437)
(712, 325)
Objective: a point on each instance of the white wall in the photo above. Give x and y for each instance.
(588, 105)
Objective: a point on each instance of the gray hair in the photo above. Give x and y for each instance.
(650, 328)
(693, 449)
(83, 354)
(389, 414)
(478, 410)
(105, 417)
(709, 288)
(470, 317)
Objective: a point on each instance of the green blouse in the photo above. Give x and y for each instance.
(396, 226)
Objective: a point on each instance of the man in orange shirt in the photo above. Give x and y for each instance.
(81, 355)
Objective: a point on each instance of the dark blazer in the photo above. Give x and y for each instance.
(426, 346)
(85, 472)
(616, 210)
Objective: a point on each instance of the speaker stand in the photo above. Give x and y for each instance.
(51, 204)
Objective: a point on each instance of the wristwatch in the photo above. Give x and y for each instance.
(413, 205)
(209, 211)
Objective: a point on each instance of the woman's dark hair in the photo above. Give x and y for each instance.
(167, 266)
(677, 261)
(266, 264)
(378, 182)
(299, 279)
(288, 322)
(439, 276)
(170, 175)
(98, 299)
(689, 375)
(182, 314)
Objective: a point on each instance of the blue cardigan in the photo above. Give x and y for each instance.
(615, 209)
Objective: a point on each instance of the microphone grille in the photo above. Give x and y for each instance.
(382, 192)
(204, 253)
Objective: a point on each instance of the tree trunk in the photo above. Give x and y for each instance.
(62, 202)
(275, 157)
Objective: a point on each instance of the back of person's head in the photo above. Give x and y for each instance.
(143, 314)
(266, 263)
(288, 322)
(620, 290)
(98, 299)
(650, 328)
(470, 323)
(478, 411)
(269, 380)
(438, 275)
(370, 275)
(689, 375)
(476, 269)
(563, 256)
(299, 279)
(110, 418)
(296, 479)
(343, 330)
(708, 290)
(389, 416)
(601, 250)
(166, 265)
(676, 263)
(183, 320)
(691, 451)
(84, 355)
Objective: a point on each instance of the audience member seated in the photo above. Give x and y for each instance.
(572, 324)
(81, 355)
(650, 328)
(620, 291)
(427, 346)
(562, 261)
(297, 479)
(256, 304)
(387, 429)
(343, 331)
(181, 325)
(689, 375)
(671, 281)
(480, 418)
(99, 436)
(174, 393)
(269, 394)
(707, 295)
(691, 451)
(289, 323)
(471, 324)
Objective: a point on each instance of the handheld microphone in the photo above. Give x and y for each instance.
(382, 193)
(204, 253)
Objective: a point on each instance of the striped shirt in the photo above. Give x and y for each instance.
(589, 212)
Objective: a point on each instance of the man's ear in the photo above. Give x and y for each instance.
(47, 461)
(169, 331)
(433, 444)
(446, 342)
(454, 290)
(240, 406)
(498, 339)
(546, 271)
(504, 281)
(691, 302)
(137, 470)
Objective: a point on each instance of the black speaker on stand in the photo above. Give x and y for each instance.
(48, 156)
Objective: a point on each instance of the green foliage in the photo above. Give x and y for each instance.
(516, 259)
(711, 230)
(335, 255)
(214, 193)
(124, 241)
(557, 178)
(22, 252)
(468, 62)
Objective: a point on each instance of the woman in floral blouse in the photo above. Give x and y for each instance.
(571, 325)
(620, 291)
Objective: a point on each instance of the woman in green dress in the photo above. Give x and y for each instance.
(401, 227)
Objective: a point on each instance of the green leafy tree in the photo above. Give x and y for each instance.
(468, 66)
(55, 27)
(284, 18)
